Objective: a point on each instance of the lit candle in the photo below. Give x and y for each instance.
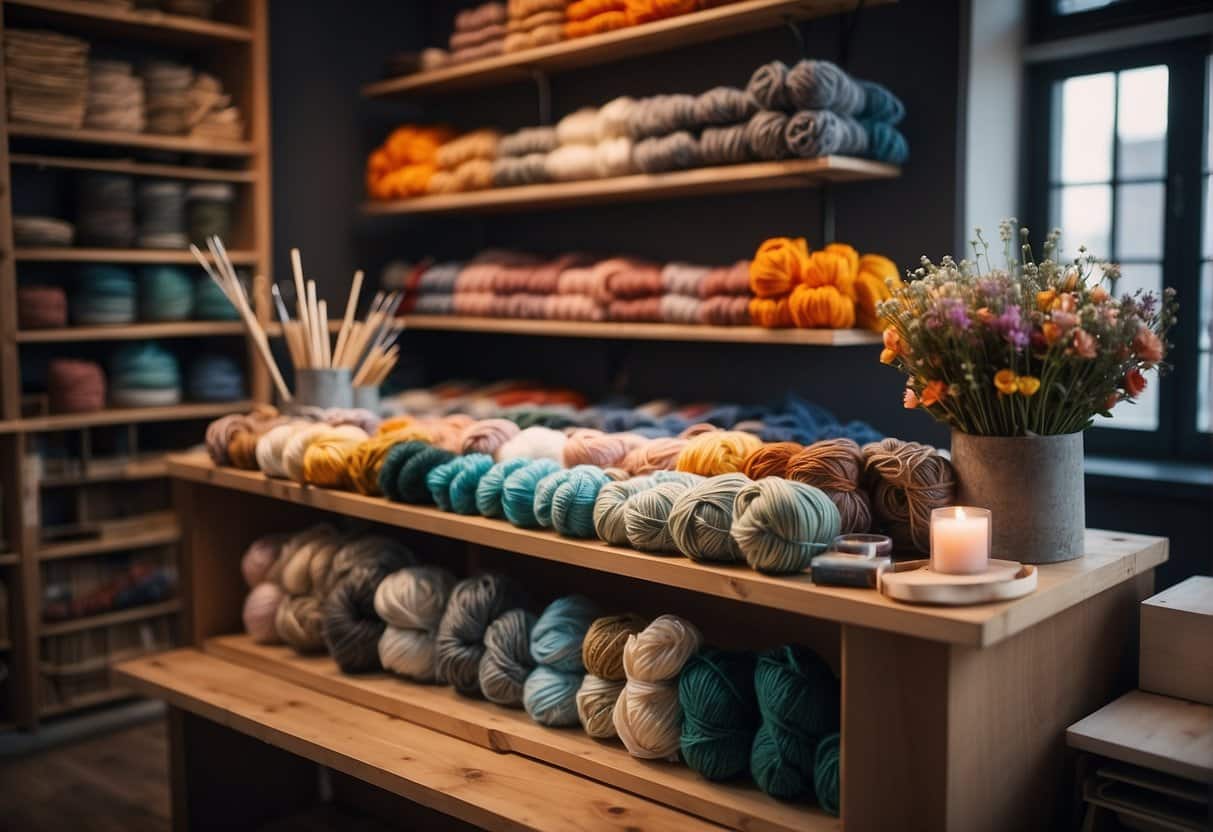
(960, 540)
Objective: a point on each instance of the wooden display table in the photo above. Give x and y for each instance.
(951, 718)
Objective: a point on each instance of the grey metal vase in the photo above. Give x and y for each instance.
(1033, 485)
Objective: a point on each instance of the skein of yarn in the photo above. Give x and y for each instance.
(779, 525)
(414, 598)
(300, 623)
(573, 501)
(646, 516)
(910, 479)
(518, 492)
(259, 559)
(558, 635)
(407, 653)
(836, 466)
(719, 452)
(595, 701)
(771, 460)
(535, 442)
(295, 449)
(550, 696)
(647, 715)
(602, 646)
(702, 517)
(719, 712)
(507, 660)
(609, 508)
(260, 610)
(325, 460)
(487, 436)
(474, 603)
(351, 628)
(489, 489)
(403, 475)
(826, 772)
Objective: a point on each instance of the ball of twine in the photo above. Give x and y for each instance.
(535, 442)
(609, 507)
(908, 481)
(325, 459)
(556, 639)
(602, 646)
(507, 661)
(488, 490)
(414, 598)
(299, 621)
(486, 436)
(719, 712)
(646, 517)
(771, 460)
(836, 467)
(596, 700)
(408, 653)
(779, 525)
(719, 452)
(260, 610)
(550, 696)
(518, 492)
(473, 604)
(702, 517)
(257, 563)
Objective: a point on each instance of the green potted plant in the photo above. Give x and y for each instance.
(1019, 361)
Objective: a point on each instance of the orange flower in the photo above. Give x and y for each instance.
(1028, 385)
(1044, 300)
(891, 339)
(933, 393)
(1006, 381)
(1070, 282)
(985, 315)
(1085, 344)
(909, 399)
(887, 356)
(1050, 331)
(1135, 383)
(1147, 346)
(1067, 303)
(1099, 294)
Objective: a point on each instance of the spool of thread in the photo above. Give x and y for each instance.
(702, 517)
(487, 436)
(162, 214)
(647, 715)
(798, 698)
(474, 603)
(210, 304)
(489, 489)
(144, 375)
(771, 460)
(909, 481)
(326, 459)
(535, 442)
(719, 712)
(104, 295)
(646, 517)
(166, 293)
(299, 622)
(719, 452)
(518, 492)
(41, 307)
(609, 508)
(595, 702)
(209, 211)
(603, 643)
(215, 378)
(507, 661)
(827, 772)
(402, 477)
(75, 386)
(780, 525)
(836, 467)
(351, 628)
(260, 610)
(257, 563)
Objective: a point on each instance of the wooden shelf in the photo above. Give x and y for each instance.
(727, 179)
(8, 559)
(488, 789)
(108, 619)
(101, 545)
(144, 141)
(89, 700)
(643, 332)
(53, 254)
(153, 467)
(131, 332)
(734, 805)
(1110, 557)
(124, 415)
(133, 168)
(661, 35)
(97, 18)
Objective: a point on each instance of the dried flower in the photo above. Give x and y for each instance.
(1085, 344)
(1147, 346)
(1028, 385)
(1044, 300)
(933, 393)
(1006, 381)
(1099, 294)
(909, 399)
(1135, 383)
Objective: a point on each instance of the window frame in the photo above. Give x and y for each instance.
(1176, 437)
(1045, 25)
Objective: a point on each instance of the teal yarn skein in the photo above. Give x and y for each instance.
(719, 712)
(545, 490)
(210, 304)
(466, 481)
(518, 492)
(550, 696)
(438, 481)
(646, 517)
(826, 773)
(609, 508)
(488, 490)
(104, 295)
(393, 461)
(574, 499)
(166, 293)
(779, 525)
(557, 636)
(701, 519)
(798, 698)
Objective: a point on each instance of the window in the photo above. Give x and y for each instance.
(1120, 158)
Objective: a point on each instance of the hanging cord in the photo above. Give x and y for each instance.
(847, 26)
(543, 91)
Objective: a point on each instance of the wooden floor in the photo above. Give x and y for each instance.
(116, 781)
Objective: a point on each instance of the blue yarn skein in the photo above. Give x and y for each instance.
(104, 295)
(550, 696)
(215, 378)
(886, 143)
(166, 293)
(464, 484)
(518, 492)
(880, 104)
(572, 505)
(545, 490)
(144, 374)
(557, 635)
(488, 490)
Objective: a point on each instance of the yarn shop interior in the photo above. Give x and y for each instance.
(606, 414)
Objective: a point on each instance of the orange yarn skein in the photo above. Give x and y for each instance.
(821, 307)
(778, 265)
(719, 452)
(770, 312)
(826, 268)
(771, 460)
(872, 287)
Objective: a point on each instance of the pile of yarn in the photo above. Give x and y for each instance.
(208, 208)
(75, 386)
(212, 115)
(832, 288)
(232, 439)
(105, 210)
(304, 578)
(648, 714)
(352, 626)
(534, 23)
(550, 692)
(411, 602)
(215, 378)
(41, 307)
(402, 166)
(144, 375)
(480, 32)
(261, 566)
(104, 295)
(166, 293)
(162, 214)
(465, 163)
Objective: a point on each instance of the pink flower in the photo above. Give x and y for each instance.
(910, 400)
(1065, 320)
(1068, 303)
(1135, 383)
(1085, 343)
(1147, 346)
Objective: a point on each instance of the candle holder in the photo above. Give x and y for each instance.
(960, 540)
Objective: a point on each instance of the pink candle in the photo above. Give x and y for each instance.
(960, 540)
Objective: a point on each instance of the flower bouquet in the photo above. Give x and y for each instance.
(1013, 357)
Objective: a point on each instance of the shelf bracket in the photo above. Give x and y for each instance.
(543, 91)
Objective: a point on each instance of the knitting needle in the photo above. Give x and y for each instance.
(365, 329)
(288, 332)
(313, 315)
(351, 306)
(301, 300)
(326, 358)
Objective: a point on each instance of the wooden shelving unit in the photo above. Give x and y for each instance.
(235, 49)
(672, 33)
(642, 187)
(643, 332)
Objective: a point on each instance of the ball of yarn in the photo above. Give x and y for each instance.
(408, 653)
(299, 622)
(719, 712)
(260, 610)
(556, 639)
(879, 104)
(822, 85)
(771, 460)
(798, 698)
(596, 700)
(351, 627)
(473, 604)
(768, 85)
(325, 459)
(719, 452)
(518, 492)
(779, 525)
(545, 489)
(364, 463)
(489, 488)
(242, 449)
(646, 516)
(821, 307)
(910, 479)
(377, 552)
(507, 661)
(587, 446)
(614, 118)
(886, 143)
(609, 508)
(405, 469)
(219, 435)
(464, 470)
(487, 436)
(260, 557)
(648, 719)
(836, 466)
(535, 442)
(550, 696)
(826, 772)
(602, 646)
(573, 500)
(658, 454)
(658, 652)
(702, 517)
(414, 598)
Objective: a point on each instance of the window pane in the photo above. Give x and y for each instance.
(1206, 306)
(1076, 6)
(1084, 214)
(1209, 115)
(1139, 220)
(1141, 122)
(1084, 114)
(1207, 248)
(1134, 276)
(1204, 409)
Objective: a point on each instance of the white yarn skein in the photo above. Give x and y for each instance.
(296, 447)
(414, 597)
(535, 442)
(615, 157)
(271, 445)
(572, 162)
(408, 653)
(579, 127)
(647, 715)
(615, 118)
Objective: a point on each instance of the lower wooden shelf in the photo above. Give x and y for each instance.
(166, 534)
(123, 416)
(108, 619)
(89, 700)
(503, 729)
(130, 332)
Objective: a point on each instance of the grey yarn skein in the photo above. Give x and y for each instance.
(765, 135)
(677, 151)
(779, 525)
(660, 115)
(528, 140)
(512, 171)
(724, 105)
(414, 598)
(609, 507)
(507, 657)
(724, 145)
(646, 517)
(813, 133)
(702, 517)
(768, 85)
(822, 85)
(474, 604)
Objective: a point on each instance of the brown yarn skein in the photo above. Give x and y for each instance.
(300, 623)
(908, 480)
(771, 460)
(602, 647)
(835, 466)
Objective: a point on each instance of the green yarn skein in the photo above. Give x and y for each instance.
(779, 525)
(825, 773)
(719, 712)
(798, 698)
(403, 474)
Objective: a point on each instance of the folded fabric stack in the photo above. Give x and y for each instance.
(47, 78)
(534, 23)
(168, 107)
(465, 163)
(479, 33)
(211, 112)
(403, 165)
(115, 97)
